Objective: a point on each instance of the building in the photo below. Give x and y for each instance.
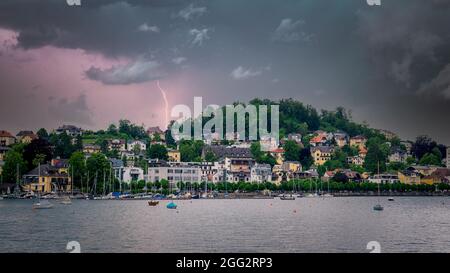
(423, 170)
(291, 166)
(117, 145)
(132, 174)
(156, 132)
(278, 154)
(46, 179)
(358, 141)
(261, 173)
(384, 178)
(211, 171)
(3, 151)
(70, 130)
(408, 146)
(136, 144)
(409, 177)
(91, 149)
(6, 138)
(117, 168)
(398, 155)
(321, 154)
(320, 139)
(238, 169)
(129, 157)
(437, 177)
(356, 160)
(388, 134)
(221, 152)
(174, 155)
(448, 157)
(26, 136)
(173, 172)
(341, 140)
(295, 137)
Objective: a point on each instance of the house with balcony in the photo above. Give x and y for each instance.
(321, 154)
(6, 139)
(46, 179)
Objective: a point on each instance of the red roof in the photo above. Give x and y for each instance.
(278, 150)
(5, 134)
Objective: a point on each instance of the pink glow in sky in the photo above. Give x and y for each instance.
(57, 90)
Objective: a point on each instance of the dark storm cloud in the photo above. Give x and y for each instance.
(138, 72)
(383, 62)
(67, 110)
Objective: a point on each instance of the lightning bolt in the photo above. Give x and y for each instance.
(166, 102)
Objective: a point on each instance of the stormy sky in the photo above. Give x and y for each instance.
(98, 63)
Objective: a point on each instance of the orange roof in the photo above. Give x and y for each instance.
(317, 139)
(278, 150)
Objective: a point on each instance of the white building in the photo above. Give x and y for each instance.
(173, 172)
(117, 144)
(136, 143)
(132, 174)
(384, 178)
(261, 173)
(398, 156)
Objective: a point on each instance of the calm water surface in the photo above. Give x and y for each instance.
(410, 224)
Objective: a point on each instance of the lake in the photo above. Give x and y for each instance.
(347, 224)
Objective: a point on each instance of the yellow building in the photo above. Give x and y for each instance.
(409, 177)
(278, 154)
(321, 154)
(292, 166)
(358, 141)
(91, 149)
(26, 137)
(174, 155)
(47, 179)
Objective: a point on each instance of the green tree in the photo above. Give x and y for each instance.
(42, 134)
(14, 165)
(430, 159)
(39, 159)
(98, 167)
(376, 156)
(292, 151)
(157, 151)
(77, 167)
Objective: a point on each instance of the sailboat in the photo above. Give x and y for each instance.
(328, 194)
(171, 205)
(378, 207)
(44, 204)
(288, 197)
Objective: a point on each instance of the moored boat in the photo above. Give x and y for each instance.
(44, 204)
(171, 205)
(287, 197)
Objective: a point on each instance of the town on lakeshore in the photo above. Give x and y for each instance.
(318, 154)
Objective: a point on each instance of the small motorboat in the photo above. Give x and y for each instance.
(287, 197)
(391, 199)
(378, 207)
(171, 205)
(153, 203)
(42, 204)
